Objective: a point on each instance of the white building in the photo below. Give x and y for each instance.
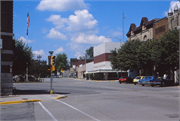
(101, 66)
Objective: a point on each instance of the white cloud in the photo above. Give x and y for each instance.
(24, 40)
(57, 21)
(40, 52)
(78, 54)
(61, 5)
(81, 21)
(90, 39)
(59, 50)
(54, 34)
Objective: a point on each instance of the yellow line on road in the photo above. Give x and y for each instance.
(60, 97)
(19, 101)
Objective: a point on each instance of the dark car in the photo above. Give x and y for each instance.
(161, 82)
(125, 79)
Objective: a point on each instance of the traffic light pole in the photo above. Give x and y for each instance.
(51, 79)
(51, 91)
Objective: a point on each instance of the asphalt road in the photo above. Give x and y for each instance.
(99, 101)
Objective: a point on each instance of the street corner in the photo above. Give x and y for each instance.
(19, 101)
(60, 97)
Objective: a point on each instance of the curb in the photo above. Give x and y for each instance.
(60, 97)
(20, 101)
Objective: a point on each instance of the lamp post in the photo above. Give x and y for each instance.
(51, 79)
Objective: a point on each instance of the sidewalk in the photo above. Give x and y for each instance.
(97, 80)
(21, 107)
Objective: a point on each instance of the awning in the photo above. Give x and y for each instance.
(103, 71)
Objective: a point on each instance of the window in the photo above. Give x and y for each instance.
(144, 38)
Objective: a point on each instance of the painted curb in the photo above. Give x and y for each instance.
(19, 101)
(60, 97)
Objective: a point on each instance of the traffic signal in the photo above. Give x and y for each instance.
(49, 67)
(53, 60)
(53, 68)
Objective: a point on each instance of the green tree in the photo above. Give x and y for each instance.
(114, 59)
(22, 55)
(127, 57)
(170, 52)
(39, 68)
(89, 54)
(61, 62)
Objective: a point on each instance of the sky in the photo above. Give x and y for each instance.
(72, 26)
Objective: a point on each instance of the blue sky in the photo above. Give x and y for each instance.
(72, 26)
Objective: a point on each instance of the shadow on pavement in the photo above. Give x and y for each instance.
(33, 92)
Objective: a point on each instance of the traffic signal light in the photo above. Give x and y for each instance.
(53, 68)
(53, 60)
(49, 67)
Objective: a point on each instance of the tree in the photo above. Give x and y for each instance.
(127, 57)
(114, 59)
(88, 54)
(22, 55)
(170, 53)
(39, 68)
(61, 62)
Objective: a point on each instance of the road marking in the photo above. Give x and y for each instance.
(78, 110)
(48, 112)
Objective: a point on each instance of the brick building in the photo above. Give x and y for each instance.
(160, 27)
(6, 35)
(143, 32)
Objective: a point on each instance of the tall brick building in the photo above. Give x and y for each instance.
(160, 27)
(6, 35)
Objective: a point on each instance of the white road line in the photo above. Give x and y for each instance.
(78, 110)
(48, 111)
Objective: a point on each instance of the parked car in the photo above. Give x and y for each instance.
(136, 80)
(146, 80)
(125, 79)
(161, 82)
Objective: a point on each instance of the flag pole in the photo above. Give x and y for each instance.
(27, 46)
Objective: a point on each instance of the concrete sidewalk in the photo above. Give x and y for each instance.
(21, 107)
(97, 80)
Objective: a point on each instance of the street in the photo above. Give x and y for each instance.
(99, 101)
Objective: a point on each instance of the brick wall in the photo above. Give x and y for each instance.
(160, 27)
(6, 35)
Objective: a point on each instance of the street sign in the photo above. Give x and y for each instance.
(1, 44)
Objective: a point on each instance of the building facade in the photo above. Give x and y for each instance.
(174, 23)
(160, 27)
(101, 66)
(174, 17)
(6, 53)
(143, 32)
